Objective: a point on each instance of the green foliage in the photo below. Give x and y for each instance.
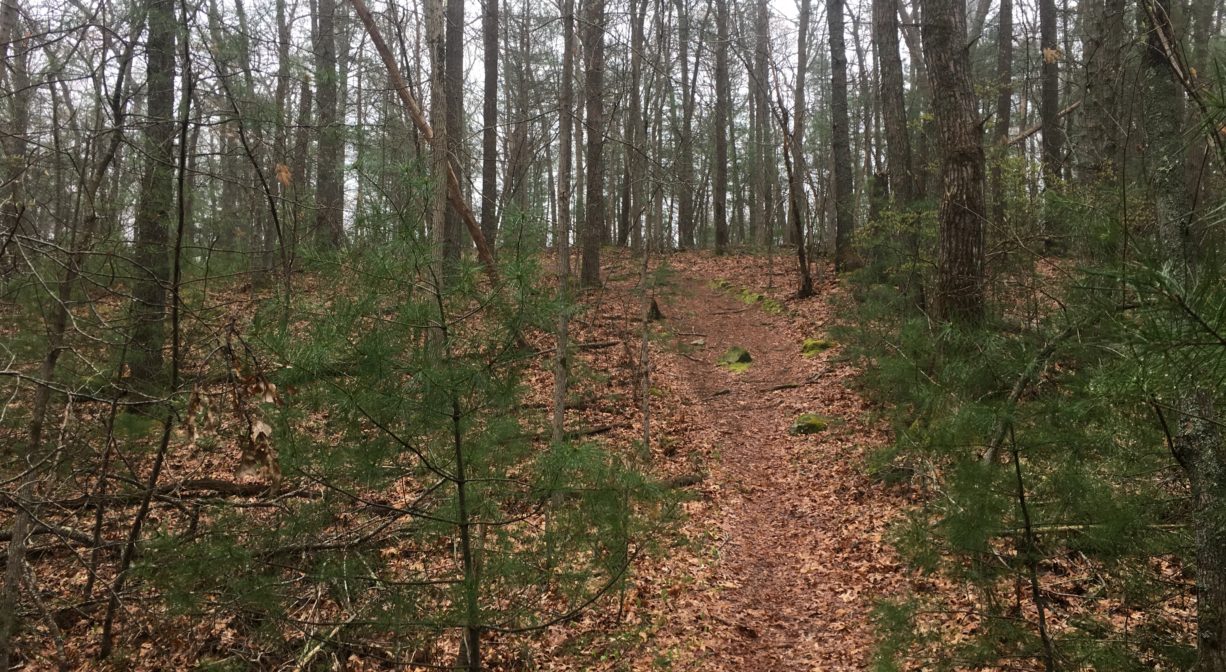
(1066, 377)
(438, 508)
(897, 249)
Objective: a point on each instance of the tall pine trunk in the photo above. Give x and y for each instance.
(153, 214)
(594, 222)
(489, 121)
(329, 197)
(844, 200)
(893, 103)
(1197, 440)
(959, 292)
(719, 207)
(453, 84)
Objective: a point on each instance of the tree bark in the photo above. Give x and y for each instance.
(796, 164)
(329, 195)
(15, 89)
(959, 292)
(844, 199)
(1004, 107)
(153, 215)
(893, 103)
(436, 42)
(1196, 442)
(719, 207)
(630, 219)
(566, 110)
(685, 140)
(1049, 112)
(594, 224)
(489, 131)
(453, 83)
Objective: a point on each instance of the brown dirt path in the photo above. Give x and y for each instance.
(792, 556)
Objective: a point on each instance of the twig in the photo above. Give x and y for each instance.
(306, 660)
(1005, 422)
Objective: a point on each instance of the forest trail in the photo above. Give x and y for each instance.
(794, 556)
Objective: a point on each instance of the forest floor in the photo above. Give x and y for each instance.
(785, 553)
(779, 553)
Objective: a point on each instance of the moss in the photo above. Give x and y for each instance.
(809, 423)
(736, 359)
(750, 297)
(772, 306)
(721, 283)
(815, 346)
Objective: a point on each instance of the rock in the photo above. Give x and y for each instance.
(815, 346)
(809, 423)
(736, 359)
(736, 355)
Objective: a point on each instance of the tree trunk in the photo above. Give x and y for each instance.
(901, 182)
(635, 144)
(1053, 134)
(1197, 441)
(685, 141)
(453, 74)
(329, 196)
(763, 163)
(1099, 150)
(437, 47)
(719, 207)
(562, 237)
(844, 204)
(153, 215)
(16, 90)
(489, 131)
(796, 166)
(594, 224)
(959, 295)
(1004, 107)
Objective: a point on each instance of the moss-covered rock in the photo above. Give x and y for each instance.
(772, 306)
(815, 346)
(810, 423)
(736, 359)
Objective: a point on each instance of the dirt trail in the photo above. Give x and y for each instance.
(794, 526)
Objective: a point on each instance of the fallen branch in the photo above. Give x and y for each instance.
(791, 386)
(200, 487)
(48, 528)
(594, 345)
(684, 481)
